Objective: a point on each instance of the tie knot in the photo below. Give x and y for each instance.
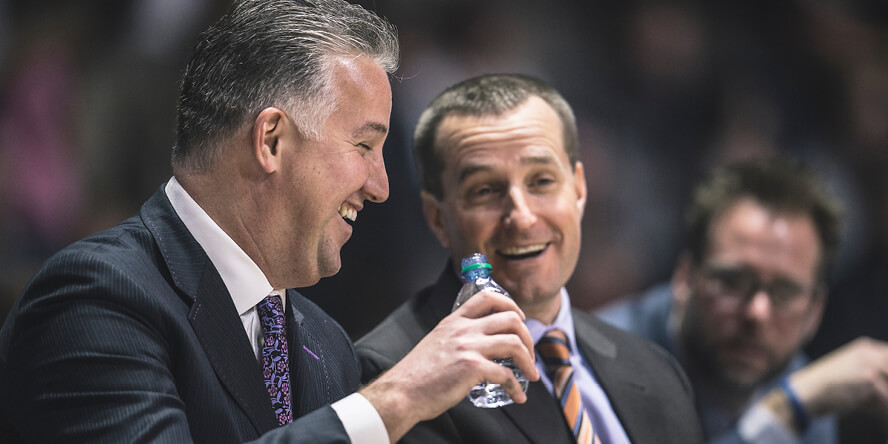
(554, 349)
(271, 312)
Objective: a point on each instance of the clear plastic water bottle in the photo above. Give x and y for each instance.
(476, 277)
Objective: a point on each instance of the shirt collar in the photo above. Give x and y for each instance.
(245, 282)
(563, 321)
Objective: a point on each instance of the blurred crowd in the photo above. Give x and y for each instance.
(663, 91)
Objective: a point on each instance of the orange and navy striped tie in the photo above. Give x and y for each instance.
(555, 351)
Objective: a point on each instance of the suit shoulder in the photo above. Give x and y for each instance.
(397, 334)
(627, 345)
(119, 266)
(125, 249)
(120, 245)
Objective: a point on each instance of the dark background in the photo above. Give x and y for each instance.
(663, 91)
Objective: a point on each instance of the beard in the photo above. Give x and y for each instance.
(715, 373)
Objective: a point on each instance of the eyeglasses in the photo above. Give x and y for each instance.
(736, 286)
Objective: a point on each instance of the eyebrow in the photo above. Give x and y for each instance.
(370, 127)
(471, 169)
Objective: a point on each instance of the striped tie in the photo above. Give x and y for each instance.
(555, 351)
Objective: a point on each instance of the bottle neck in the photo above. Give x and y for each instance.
(474, 275)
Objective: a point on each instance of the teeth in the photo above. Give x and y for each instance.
(348, 212)
(515, 251)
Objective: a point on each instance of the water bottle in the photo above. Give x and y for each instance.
(476, 277)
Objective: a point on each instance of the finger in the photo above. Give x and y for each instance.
(509, 346)
(507, 322)
(502, 375)
(485, 302)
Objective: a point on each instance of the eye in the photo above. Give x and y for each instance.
(365, 146)
(784, 293)
(482, 193)
(728, 282)
(541, 181)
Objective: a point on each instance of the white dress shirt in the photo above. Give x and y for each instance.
(247, 286)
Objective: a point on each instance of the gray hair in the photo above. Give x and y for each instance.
(265, 53)
(485, 95)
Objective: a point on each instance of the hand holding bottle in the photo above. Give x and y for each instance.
(451, 359)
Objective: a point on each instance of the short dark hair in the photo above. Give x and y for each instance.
(265, 53)
(779, 184)
(485, 95)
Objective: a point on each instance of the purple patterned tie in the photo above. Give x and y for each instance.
(276, 362)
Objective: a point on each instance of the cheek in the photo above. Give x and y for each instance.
(355, 171)
(472, 228)
(714, 322)
(789, 332)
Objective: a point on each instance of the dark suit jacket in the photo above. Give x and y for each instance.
(130, 335)
(648, 391)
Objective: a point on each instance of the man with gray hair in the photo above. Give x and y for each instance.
(181, 324)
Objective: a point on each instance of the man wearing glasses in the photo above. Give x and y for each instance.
(745, 297)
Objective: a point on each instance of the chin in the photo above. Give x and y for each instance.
(741, 375)
(327, 270)
(533, 295)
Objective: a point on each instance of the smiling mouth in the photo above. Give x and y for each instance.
(348, 213)
(524, 252)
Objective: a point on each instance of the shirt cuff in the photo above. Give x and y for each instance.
(361, 420)
(760, 425)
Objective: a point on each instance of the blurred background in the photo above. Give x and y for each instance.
(663, 91)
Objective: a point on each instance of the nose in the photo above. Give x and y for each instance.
(520, 214)
(377, 186)
(759, 306)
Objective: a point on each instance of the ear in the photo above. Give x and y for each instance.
(580, 185)
(268, 131)
(681, 280)
(431, 208)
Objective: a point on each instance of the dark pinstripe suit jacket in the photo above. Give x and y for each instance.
(648, 391)
(131, 336)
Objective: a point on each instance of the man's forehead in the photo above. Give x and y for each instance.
(469, 166)
(749, 230)
(370, 128)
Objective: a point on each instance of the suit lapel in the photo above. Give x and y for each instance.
(308, 380)
(632, 400)
(439, 303)
(218, 327)
(213, 316)
(540, 418)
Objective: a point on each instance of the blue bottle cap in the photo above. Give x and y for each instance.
(474, 262)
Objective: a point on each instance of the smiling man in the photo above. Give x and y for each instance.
(181, 324)
(497, 155)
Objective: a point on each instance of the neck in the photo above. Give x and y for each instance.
(545, 310)
(226, 200)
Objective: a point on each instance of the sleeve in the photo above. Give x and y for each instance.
(81, 367)
(441, 430)
(758, 424)
(361, 420)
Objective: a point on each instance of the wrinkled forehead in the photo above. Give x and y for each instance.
(533, 125)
